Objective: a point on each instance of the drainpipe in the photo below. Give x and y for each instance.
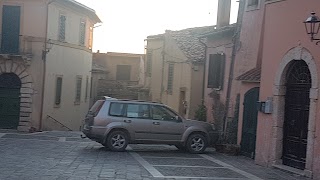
(234, 52)
(44, 58)
(204, 70)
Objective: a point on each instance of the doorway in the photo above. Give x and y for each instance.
(10, 85)
(249, 126)
(297, 105)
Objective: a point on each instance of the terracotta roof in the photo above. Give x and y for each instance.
(252, 75)
(187, 40)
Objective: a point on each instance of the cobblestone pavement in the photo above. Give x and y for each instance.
(65, 156)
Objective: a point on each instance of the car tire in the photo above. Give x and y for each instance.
(181, 147)
(196, 143)
(117, 141)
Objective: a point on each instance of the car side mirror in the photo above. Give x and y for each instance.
(178, 118)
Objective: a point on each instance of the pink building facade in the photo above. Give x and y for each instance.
(273, 87)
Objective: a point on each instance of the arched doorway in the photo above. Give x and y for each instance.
(10, 85)
(249, 126)
(297, 105)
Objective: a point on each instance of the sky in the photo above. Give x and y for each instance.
(127, 23)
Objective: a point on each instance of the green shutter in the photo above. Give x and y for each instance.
(170, 77)
(216, 71)
(58, 90)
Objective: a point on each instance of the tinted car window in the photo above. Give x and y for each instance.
(94, 110)
(162, 113)
(138, 111)
(117, 109)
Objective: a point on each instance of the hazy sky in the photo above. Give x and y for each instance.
(126, 23)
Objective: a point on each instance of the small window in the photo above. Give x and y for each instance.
(123, 72)
(163, 113)
(91, 87)
(253, 2)
(216, 71)
(90, 39)
(117, 109)
(87, 89)
(82, 32)
(138, 111)
(62, 28)
(78, 89)
(58, 90)
(149, 62)
(170, 77)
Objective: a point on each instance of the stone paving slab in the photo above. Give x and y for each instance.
(65, 156)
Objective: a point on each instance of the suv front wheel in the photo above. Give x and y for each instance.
(196, 143)
(117, 141)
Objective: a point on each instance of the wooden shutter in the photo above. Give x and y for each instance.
(149, 62)
(58, 90)
(10, 29)
(216, 71)
(62, 28)
(123, 72)
(170, 78)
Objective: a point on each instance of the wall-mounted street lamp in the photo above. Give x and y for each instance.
(312, 25)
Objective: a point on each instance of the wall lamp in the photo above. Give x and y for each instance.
(312, 25)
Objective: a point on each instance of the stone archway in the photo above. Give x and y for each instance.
(279, 92)
(17, 67)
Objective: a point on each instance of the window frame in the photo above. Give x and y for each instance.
(78, 97)
(251, 7)
(216, 79)
(82, 32)
(126, 111)
(168, 109)
(57, 103)
(170, 78)
(119, 75)
(60, 38)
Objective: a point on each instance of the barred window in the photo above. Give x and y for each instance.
(58, 90)
(62, 28)
(170, 77)
(82, 32)
(78, 89)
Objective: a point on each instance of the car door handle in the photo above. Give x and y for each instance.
(156, 123)
(127, 121)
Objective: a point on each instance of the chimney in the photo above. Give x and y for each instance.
(224, 8)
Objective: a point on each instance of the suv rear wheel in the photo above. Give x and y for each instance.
(196, 143)
(117, 141)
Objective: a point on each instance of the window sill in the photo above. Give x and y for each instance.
(57, 105)
(77, 103)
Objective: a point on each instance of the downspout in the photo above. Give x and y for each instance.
(204, 70)
(44, 58)
(234, 52)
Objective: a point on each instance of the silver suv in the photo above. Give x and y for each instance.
(116, 123)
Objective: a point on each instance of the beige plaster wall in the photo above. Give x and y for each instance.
(69, 60)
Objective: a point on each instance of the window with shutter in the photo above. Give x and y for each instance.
(82, 32)
(78, 89)
(87, 88)
(123, 72)
(58, 91)
(149, 62)
(170, 78)
(216, 71)
(253, 2)
(62, 28)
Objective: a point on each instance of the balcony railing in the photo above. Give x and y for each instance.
(19, 46)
